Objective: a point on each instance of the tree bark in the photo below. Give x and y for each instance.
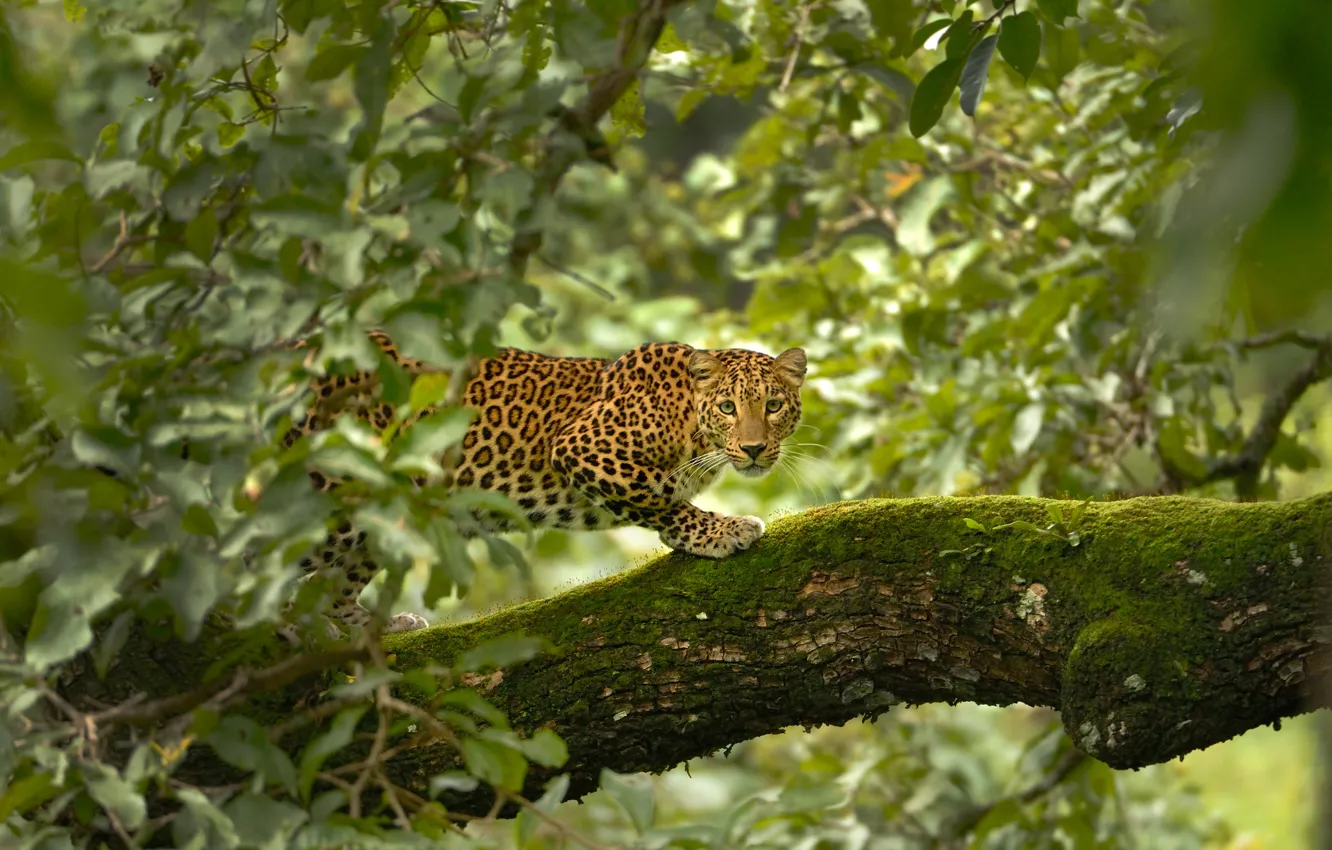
(1156, 626)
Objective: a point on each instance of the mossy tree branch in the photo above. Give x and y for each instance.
(1172, 624)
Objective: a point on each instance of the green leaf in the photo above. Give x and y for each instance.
(503, 651)
(1020, 42)
(923, 34)
(1027, 427)
(469, 700)
(394, 382)
(495, 763)
(265, 74)
(339, 735)
(452, 780)
(918, 210)
(960, 37)
(1006, 811)
(975, 73)
(546, 748)
(329, 63)
(201, 234)
(116, 795)
(419, 447)
(1172, 442)
(197, 520)
(37, 149)
(228, 134)
(469, 96)
(973, 524)
(192, 589)
(27, 793)
(431, 220)
(111, 641)
(1055, 11)
(201, 816)
(893, 19)
(1054, 512)
(1063, 52)
(634, 795)
(262, 821)
(373, 72)
(428, 389)
(243, 743)
(932, 95)
(628, 112)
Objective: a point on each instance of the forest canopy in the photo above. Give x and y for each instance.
(1057, 249)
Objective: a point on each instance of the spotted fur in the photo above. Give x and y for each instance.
(591, 444)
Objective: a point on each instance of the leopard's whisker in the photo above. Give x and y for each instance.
(695, 468)
(717, 460)
(807, 445)
(800, 457)
(804, 486)
(692, 462)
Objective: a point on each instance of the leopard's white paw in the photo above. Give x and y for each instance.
(405, 622)
(729, 535)
(746, 530)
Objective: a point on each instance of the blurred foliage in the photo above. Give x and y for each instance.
(1082, 275)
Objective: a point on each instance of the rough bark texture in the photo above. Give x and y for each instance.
(1174, 624)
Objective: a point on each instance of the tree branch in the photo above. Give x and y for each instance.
(1245, 466)
(638, 34)
(1175, 623)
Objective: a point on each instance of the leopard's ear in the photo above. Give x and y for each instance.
(790, 366)
(704, 366)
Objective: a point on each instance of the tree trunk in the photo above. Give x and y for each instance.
(1156, 626)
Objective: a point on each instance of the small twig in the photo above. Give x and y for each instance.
(1299, 338)
(999, 10)
(372, 760)
(579, 278)
(123, 241)
(559, 826)
(801, 22)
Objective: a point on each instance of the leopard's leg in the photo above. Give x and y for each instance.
(343, 555)
(644, 499)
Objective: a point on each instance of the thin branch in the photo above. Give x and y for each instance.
(801, 24)
(577, 278)
(242, 685)
(1245, 466)
(1299, 338)
(638, 35)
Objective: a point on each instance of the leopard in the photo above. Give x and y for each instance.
(581, 443)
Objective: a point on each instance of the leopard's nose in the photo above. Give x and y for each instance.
(754, 450)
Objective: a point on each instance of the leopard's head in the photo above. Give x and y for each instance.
(747, 403)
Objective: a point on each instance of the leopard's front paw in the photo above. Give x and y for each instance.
(725, 537)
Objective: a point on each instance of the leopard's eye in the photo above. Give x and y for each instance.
(727, 407)
(774, 405)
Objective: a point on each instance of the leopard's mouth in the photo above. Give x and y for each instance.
(751, 468)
